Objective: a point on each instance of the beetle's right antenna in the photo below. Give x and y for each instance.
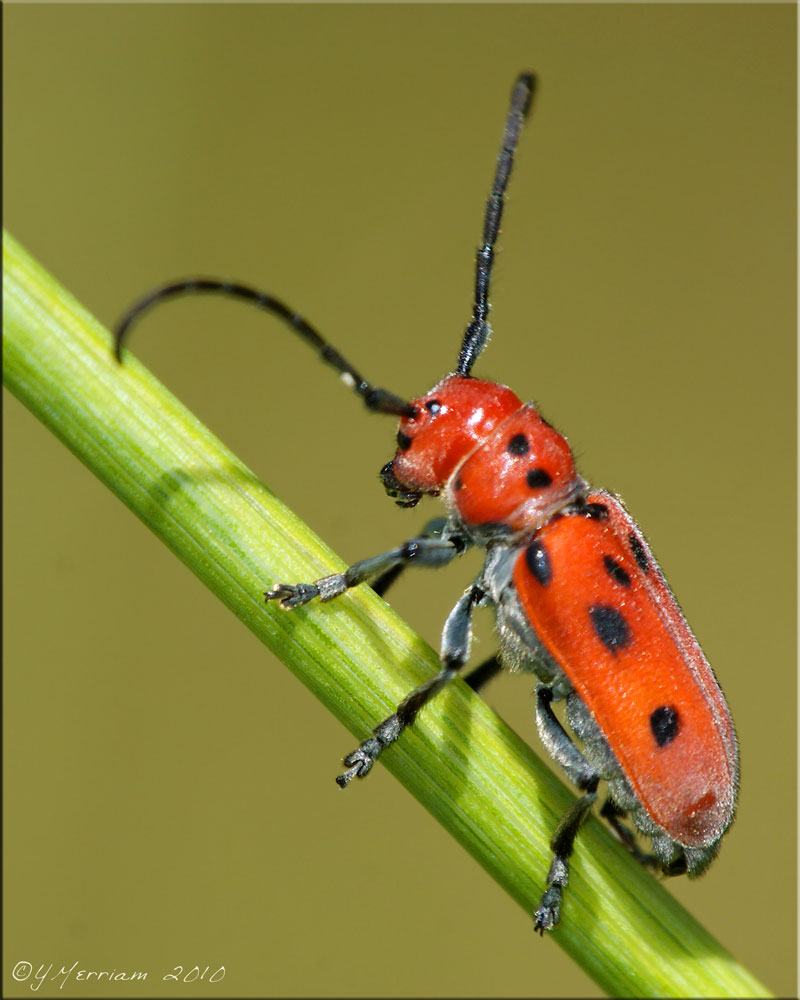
(478, 330)
(376, 399)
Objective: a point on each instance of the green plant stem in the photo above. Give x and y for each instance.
(460, 760)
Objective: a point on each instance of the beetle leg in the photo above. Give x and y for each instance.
(483, 673)
(381, 584)
(582, 774)
(613, 815)
(558, 744)
(427, 552)
(456, 639)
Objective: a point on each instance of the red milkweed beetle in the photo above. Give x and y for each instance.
(579, 599)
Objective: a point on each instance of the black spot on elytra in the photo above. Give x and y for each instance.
(665, 723)
(616, 571)
(639, 552)
(518, 445)
(610, 627)
(403, 441)
(433, 406)
(538, 478)
(539, 563)
(459, 483)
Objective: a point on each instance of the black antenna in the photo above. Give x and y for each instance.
(379, 400)
(478, 330)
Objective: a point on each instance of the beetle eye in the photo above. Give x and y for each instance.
(433, 406)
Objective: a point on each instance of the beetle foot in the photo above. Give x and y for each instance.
(359, 762)
(291, 596)
(549, 912)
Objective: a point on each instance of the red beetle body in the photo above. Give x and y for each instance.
(578, 596)
(639, 671)
(500, 465)
(570, 572)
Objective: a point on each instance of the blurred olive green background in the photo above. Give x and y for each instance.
(169, 793)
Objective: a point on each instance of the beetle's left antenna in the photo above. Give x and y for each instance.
(478, 330)
(376, 399)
